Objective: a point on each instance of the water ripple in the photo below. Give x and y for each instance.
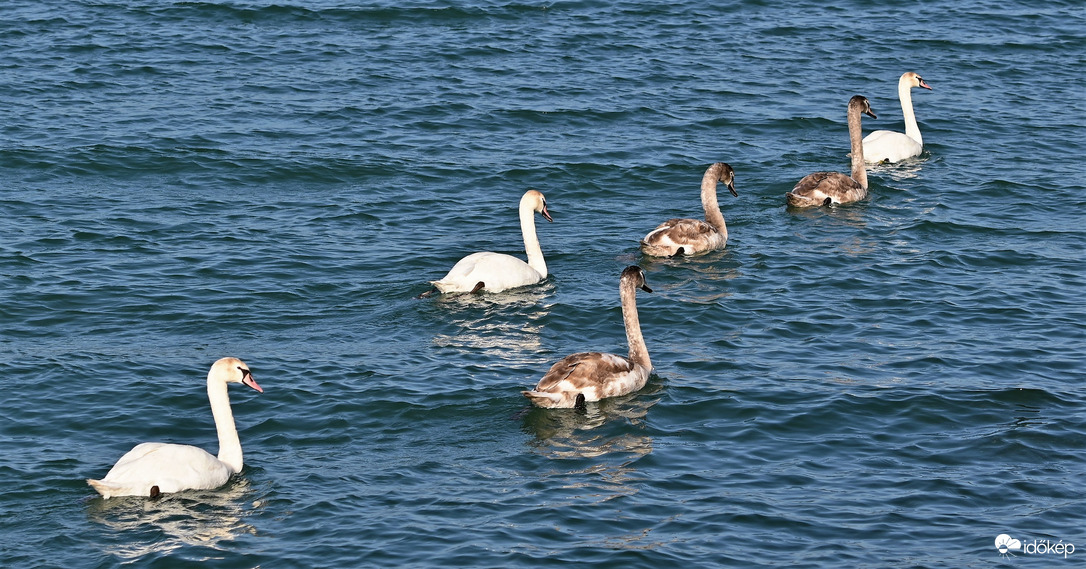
(279, 181)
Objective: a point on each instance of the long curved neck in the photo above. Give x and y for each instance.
(904, 94)
(639, 353)
(229, 444)
(709, 201)
(855, 137)
(531, 241)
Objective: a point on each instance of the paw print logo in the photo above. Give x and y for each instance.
(1006, 544)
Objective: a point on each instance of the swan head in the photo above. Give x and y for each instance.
(233, 370)
(913, 80)
(725, 174)
(861, 103)
(535, 200)
(636, 277)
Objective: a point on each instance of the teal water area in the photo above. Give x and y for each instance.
(892, 383)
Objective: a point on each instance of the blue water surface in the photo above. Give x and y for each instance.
(891, 383)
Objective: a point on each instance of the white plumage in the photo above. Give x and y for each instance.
(495, 272)
(890, 146)
(153, 468)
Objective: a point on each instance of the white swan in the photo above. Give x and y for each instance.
(153, 468)
(591, 376)
(890, 146)
(825, 188)
(690, 236)
(495, 272)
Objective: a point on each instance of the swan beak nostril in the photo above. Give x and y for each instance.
(547, 215)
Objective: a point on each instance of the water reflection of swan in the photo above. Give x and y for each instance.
(853, 216)
(906, 170)
(598, 429)
(512, 297)
(491, 336)
(194, 518)
(473, 314)
(602, 441)
(699, 279)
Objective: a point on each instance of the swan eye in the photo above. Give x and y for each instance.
(244, 372)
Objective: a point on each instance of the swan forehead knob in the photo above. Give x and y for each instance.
(636, 275)
(863, 104)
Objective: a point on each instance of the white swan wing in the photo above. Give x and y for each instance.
(890, 146)
(497, 272)
(170, 467)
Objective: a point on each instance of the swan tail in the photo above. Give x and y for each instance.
(104, 488)
(796, 200)
(547, 400)
(445, 287)
(110, 490)
(658, 249)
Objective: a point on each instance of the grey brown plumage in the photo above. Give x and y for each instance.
(691, 236)
(825, 188)
(591, 376)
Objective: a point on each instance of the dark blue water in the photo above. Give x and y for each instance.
(892, 383)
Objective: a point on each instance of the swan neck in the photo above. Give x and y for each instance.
(229, 444)
(710, 203)
(639, 352)
(531, 241)
(855, 136)
(904, 94)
